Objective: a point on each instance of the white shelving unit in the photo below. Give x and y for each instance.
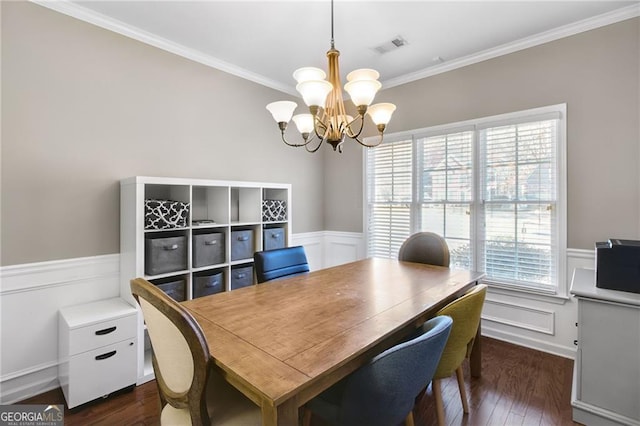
(230, 206)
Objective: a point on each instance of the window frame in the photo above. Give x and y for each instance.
(557, 111)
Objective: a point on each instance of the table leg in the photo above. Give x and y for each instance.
(475, 359)
(285, 414)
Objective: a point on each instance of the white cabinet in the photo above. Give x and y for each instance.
(97, 349)
(237, 213)
(606, 387)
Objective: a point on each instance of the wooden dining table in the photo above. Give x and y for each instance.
(283, 342)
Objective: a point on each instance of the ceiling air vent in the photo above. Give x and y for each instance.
(394, 44)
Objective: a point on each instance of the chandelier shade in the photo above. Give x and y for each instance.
(309, 73)
(362, 92)
(327, 120)
(304, 123)
(282, 110)
(381, 113)
(314, 92)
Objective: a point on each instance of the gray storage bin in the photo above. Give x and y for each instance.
(241, 244)
(165, 254)
(174, 289)
(241, 277)
(273, 238)
(208, 249)
(204, 285)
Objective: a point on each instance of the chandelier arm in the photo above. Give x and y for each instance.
(319, 128)
(312, 150)
(349, 130)
(296, 145)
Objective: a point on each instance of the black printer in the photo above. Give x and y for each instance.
(618, 265)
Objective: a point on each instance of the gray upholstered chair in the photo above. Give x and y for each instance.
(425, 247)
(383, 391)
(191, 393)
(279, 263)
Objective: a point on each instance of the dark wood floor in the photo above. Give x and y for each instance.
(519, 386)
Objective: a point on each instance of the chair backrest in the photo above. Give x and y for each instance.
(465, 312)
(425, 247)
(181, 361)
(383, 391)
(277, 263)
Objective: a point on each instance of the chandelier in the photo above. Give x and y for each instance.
(327, 119)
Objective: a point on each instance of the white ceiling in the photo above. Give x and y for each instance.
(265, 41)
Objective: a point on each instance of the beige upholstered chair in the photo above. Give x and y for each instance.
(425, 247)
(465, 312)
(191, 393)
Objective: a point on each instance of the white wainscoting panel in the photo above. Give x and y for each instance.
(544, 323)
(519, 315)
(343, 247)
(31, 296)
(313, 243)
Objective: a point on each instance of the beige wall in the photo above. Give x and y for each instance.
(83, 107)
(596, 73)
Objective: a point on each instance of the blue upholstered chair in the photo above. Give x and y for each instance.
(278, 263)
(383, 391)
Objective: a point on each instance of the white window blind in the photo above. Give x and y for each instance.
(493, 187)
(446, 191)
(389, 184)
(518, 181)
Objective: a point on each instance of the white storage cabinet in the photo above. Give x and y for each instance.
(606, 377)
(97, 349)
(229, 209)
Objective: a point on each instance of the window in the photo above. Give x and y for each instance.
(493, 187)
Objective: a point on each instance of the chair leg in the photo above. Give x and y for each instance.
(306, 417)
(463, 392)
(437, 394)
(409, 420)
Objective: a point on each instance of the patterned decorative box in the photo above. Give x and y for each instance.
(274, 210)
(165, 214)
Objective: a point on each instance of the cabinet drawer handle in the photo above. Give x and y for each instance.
(105, 356)
(171, 247)
(241, 275)
(274, 235)
(210, 243)
(106, 331)
(243, 238)
(211, 284)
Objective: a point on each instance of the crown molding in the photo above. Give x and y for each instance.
(92, 17)
(87, 15)
(524, 43)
